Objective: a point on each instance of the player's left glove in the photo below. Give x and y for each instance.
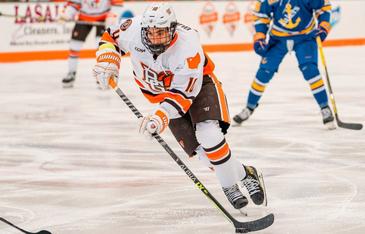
(154, 123)
(322, 31)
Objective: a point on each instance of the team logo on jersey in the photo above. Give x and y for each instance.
(157, 82)
(208, 18)
(231, 18)
(124, 26)
(289, 15)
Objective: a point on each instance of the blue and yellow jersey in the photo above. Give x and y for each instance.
(287, 18)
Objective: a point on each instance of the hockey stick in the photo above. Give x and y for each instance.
(240, 227)
(22, 230)
(353, 126)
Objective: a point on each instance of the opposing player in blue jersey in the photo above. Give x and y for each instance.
(295, 26)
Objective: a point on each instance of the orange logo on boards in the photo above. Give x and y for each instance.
(231, 18)
(208, 18)
(249, 18)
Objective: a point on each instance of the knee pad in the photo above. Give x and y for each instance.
(309, 70)
(208, 133)
(264, 75)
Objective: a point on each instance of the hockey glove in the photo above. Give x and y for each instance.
(322, 31)
(154, 123)
(107, 66)
(260, 46)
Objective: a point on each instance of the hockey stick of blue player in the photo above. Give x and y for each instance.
(240, 227)
(22, 230)
(353, 126)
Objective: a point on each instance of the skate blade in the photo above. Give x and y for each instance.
(254, 211)
(330, 125)
(235, 124)
(261, 180)
(67, 85)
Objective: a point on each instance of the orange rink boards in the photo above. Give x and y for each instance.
(10, 57)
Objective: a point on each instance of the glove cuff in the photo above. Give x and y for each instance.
(259, 36)
(108, 55)
(326, 26)
(161, 116)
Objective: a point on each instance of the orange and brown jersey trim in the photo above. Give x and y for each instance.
(175, 98)
(219, 154)
(96, 17)
(117, 2)
(208, 65)
(76, 5)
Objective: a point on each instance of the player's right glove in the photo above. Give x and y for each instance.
(107, 66)
(260, 46)
(154, 123)
(322, 31)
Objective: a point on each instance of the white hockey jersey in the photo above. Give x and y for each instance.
(175, 77)
(90, 10)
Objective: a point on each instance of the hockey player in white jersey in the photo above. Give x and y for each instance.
(89, 14)
(172, 71)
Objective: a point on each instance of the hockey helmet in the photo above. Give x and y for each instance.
(158, 15)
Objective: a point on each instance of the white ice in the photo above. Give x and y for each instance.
(71, 160)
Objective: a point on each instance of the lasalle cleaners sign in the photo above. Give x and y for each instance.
(36, 26)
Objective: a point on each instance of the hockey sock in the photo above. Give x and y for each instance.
(319, 91)
(75, 47)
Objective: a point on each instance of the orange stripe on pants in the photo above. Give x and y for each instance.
(222, 99)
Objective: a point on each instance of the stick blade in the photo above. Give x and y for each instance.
(255, 225)
(353, 126)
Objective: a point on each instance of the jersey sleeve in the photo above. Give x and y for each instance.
(186, 83)
(119, 35)
(322, 9)
(261, 17)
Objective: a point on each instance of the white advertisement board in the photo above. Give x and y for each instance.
(220, 23)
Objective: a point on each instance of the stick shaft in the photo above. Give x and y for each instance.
(176, 158)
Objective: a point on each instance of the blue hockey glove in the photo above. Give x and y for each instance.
(260, 46)
(322, 31)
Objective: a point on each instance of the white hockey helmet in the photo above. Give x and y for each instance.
(158, 15)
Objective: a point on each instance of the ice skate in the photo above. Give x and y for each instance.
(254, 184)
(235, 196)
(68, 81)
(328, 119)
(242, 116)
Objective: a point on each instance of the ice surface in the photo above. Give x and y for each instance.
(71, 161)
